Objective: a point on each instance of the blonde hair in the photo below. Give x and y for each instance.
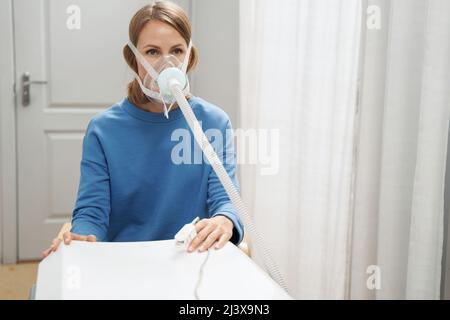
(164, 11)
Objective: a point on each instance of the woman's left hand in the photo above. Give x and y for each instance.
(217, 230)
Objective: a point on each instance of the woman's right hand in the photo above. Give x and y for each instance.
(68, 237)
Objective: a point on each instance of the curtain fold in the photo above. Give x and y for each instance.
(299, 64)
(379, 236)
(399, 198)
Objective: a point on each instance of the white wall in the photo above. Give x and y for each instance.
(216, 35)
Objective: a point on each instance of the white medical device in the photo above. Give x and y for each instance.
(186, 234)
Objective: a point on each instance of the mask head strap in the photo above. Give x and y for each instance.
(186, 57)
(147, 66)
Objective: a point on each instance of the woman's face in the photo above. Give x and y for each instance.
(158, 39)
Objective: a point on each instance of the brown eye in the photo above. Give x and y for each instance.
(152, 52)
(177, 51)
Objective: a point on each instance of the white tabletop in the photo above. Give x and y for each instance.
(151, 270)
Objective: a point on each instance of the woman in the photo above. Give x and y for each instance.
(132, 185)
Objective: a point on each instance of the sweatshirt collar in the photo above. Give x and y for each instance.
(141, 114)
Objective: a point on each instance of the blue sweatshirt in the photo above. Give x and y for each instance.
(143, 176)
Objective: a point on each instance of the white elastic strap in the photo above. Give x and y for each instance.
(156, 95)
(146, 91)
(147, 66)
(186, 58)
(166, 113)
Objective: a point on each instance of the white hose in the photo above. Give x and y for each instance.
(228, 185)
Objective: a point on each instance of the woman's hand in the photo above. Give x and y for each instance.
(67, 236)
(217, 230)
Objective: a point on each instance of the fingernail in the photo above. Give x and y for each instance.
(190, 249)
(201, 249)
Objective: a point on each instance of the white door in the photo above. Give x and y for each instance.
(79, 72)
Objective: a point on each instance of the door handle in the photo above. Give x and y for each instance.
(26, 82)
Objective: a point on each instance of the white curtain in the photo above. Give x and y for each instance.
(399, 196)
(299, 63)
(356, 207)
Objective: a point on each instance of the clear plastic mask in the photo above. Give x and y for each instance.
(153, 85)
(165, 62)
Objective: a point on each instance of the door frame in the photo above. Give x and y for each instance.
(8, 155)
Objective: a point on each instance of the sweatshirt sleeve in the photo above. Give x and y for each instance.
(92, 207)
(218, 201)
